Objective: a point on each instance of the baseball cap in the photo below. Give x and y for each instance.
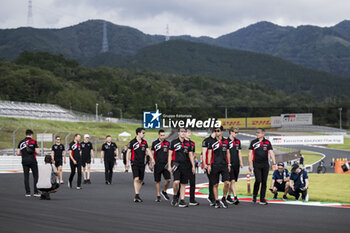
(280, 164)
(86, 136)
(294, 167)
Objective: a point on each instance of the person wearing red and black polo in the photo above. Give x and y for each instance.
(28, 149)
(219, 164)
(75, 160)
(159, 149)
(205, 162)
(180, 162)
(136, 154)
(259, 151)
(236, 163)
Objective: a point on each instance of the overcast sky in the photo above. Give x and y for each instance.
(192, 17)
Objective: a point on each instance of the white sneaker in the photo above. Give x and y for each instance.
(79, 188)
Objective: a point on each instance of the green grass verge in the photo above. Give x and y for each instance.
(345, 146)
(323, 188)
(94, 129)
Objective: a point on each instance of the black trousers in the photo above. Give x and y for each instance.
(192, 179)
(210, 187)
(297, 192)
(261, 172)
(72, 173)
(109, 164)
(34, 168)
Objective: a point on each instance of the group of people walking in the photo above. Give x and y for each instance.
(221, 160)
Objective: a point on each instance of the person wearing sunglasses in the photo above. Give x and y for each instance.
(236, 164)
(219, 165)
(58, 152)
(259, 151)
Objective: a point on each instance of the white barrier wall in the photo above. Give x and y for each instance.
(307, 140)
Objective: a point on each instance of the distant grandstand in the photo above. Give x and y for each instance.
(35, 111)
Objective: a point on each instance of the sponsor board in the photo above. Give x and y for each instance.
(307, 140)
(233, 122)
(258, 122)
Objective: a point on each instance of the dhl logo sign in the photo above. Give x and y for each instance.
(233, 122)
(259, 122)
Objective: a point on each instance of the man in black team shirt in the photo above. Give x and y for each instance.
(259, 151)
(28, 149)
(136, 155)
(205, 145)
(109, 153)
(219, 164)
(58, 152)
(75, 160)
(159, 150)
(180, 162)
(86, 153)
(236, 163)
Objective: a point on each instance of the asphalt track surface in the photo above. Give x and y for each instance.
(110, 208)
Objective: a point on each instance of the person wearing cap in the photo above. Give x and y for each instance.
(87, 152)
(280, 181)
(299, 183)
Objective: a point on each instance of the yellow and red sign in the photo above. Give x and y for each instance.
(258, 122)
(232, 122)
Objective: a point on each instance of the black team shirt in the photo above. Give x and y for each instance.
(219, 150)
(75, 148)
(160, 151)
(235, 146)
(260, 150)
(27, 147)
(138, 151)
(109, 154)
(57, 151)
(181, 152)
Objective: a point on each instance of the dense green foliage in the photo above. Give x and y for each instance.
(42, 77)
(184, 57)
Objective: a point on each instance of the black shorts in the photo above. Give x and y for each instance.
(181, 174)
(215, 173)
(138, 171)
(160, 169)
(85, 160)
(58, 163)
(234, 173)
(280, 187)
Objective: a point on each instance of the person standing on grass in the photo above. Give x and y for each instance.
(58, 152)
(109, 154)
(159, 150)
(87, 152)
(137, 150)
(75, 160)
(28, 149)
(236, 164)
(192, 175)
(219, 164)
(259, 151)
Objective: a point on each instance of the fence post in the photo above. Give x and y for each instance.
(66, 142)
(248, 183)
(42, 144)
(14, 141)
